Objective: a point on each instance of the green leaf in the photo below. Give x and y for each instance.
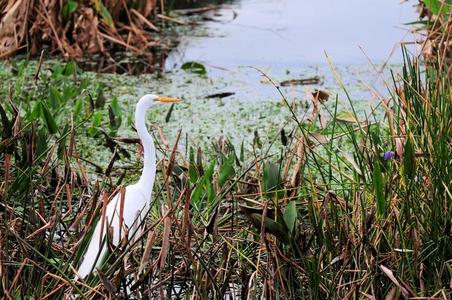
(379, 189)
(72, 6)
(70, 68)
(48, 119)
(168, 114)
(78, 106)
(192, 174)
(226, 170)
(242, 152)
(375, 134)
(270, 179)
(196, 195)
(100, 100)
(210, 192)
(41, 142)
(436, 6)
(421, 22)
(207, 182)
(112, 118)
(96, 123)
(55, 97)
(290, 216)
(194, 67)
(271, 226)
(69, 7)
(37, 111)
(116, 107)
(106, 16)
(209, 172)
(115, 114)
(409, 163)
(97, 119)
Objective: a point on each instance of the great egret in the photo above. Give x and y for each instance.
(136, 201)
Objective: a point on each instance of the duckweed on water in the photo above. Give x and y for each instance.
(237, 118)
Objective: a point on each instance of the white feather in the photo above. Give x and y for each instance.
(137, 198)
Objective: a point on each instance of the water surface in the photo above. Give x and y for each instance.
(287, 39)
(287, 33)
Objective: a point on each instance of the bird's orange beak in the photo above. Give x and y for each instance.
(168, 99)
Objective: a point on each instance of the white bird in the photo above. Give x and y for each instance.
(136, 201)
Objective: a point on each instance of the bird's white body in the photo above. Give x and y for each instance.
(137, 198)
(136, 207)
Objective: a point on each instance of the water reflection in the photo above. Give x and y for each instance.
(126, 62)
(186, 4)
(287, 32)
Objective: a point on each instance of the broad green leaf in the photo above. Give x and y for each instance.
(115, 114)
(72, 5)
(48, 119)
(290, 216)
(226, 170)
(194, 67)
(209, 172)
(97, 119)
(78, 107)
(70, 68)
(100, 100)
(55, 97)
(271, 226)
(192, 174)
(69, 7)
(96, 123)
(210, 192)
(41, 142)
(36, 111)
(116, 107)
(196, 195)
(375, 134)
(112, 119)
(84, 84)
(436, 6)
(270, 179)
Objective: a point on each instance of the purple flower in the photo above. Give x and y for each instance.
(389, 155)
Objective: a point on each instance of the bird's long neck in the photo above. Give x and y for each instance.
(149, 167)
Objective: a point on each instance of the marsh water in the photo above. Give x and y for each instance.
(289, 39)
(290, 34)
(286, 39)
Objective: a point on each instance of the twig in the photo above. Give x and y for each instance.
(166, 18)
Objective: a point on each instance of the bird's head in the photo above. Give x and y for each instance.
(149, 100)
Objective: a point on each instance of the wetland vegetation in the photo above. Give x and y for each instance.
(322, 196)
